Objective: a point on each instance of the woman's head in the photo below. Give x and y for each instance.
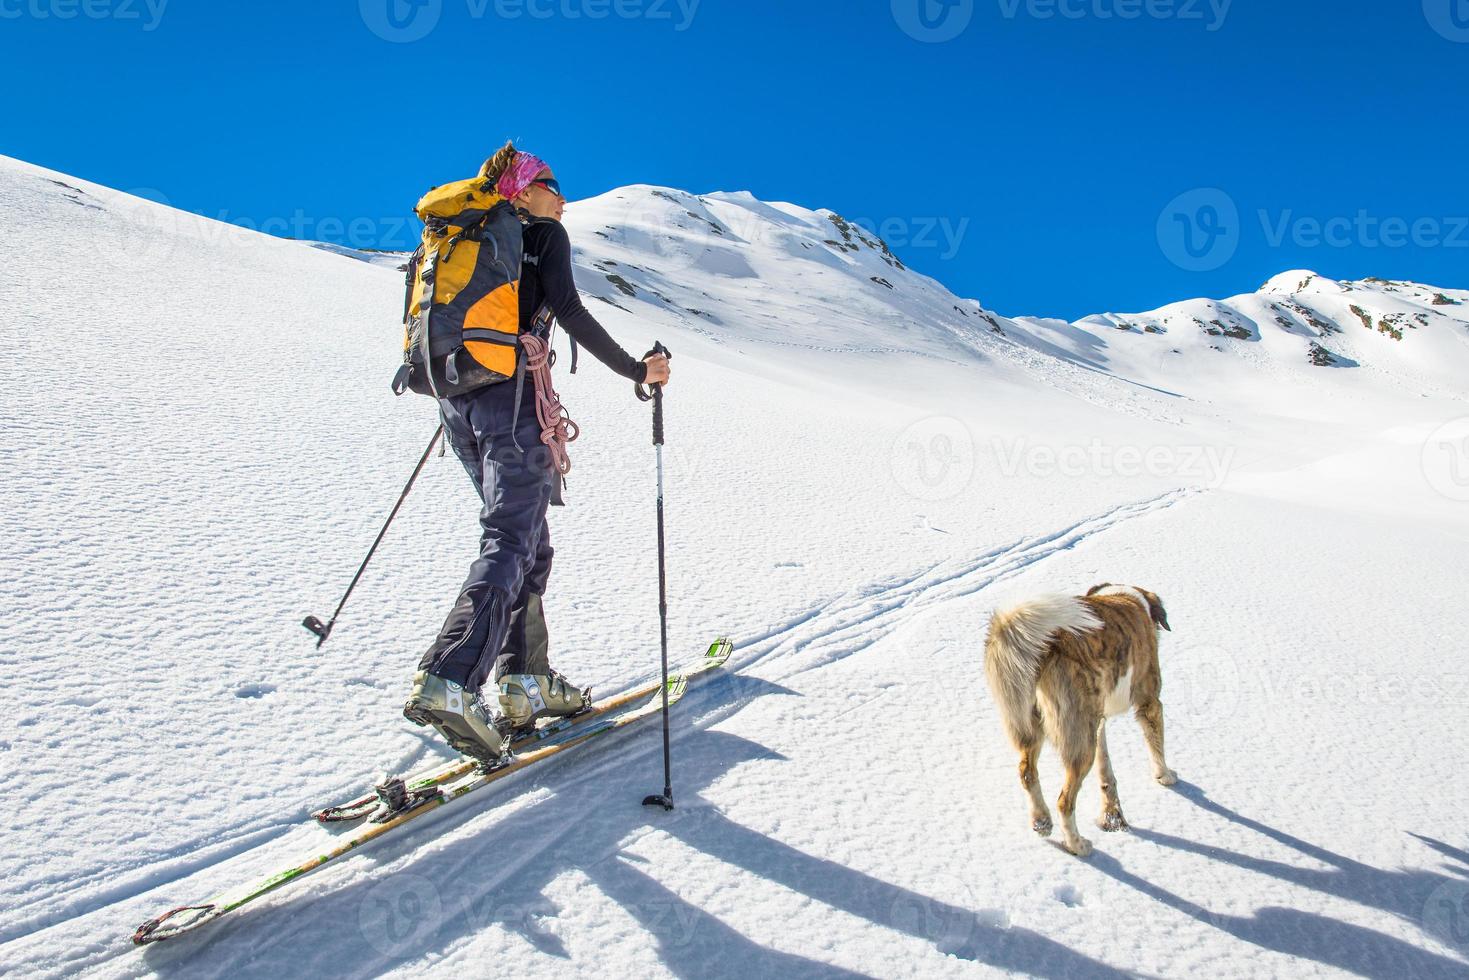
(526, 181)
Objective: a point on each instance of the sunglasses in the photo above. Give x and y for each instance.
(550, 184)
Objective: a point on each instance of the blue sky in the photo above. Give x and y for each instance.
(1056, 157)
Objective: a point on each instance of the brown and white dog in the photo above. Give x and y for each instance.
(1059, 667)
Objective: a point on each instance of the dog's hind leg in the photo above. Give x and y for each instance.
(1078, 749)
(1150, 717)
(1030, 778)
(1111, 818)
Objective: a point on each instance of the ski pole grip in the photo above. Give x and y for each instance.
(657, 415)
(642, 391)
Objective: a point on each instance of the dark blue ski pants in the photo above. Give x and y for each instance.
(496, 626)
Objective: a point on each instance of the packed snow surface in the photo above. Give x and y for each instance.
(200, 443)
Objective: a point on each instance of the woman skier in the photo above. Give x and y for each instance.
(497, 627)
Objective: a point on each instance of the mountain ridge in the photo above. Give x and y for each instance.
(735, 270)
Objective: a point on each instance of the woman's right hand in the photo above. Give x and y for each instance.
(657, 369)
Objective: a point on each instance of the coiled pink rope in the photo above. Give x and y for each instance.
(557, 428)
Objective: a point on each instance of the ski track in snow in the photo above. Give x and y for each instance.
(853, 622)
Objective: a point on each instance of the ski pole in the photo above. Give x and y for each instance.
(666, 799)
(324, 630)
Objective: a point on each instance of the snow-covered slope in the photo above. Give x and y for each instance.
(1410, 337)
(389, 259)
(199, 443)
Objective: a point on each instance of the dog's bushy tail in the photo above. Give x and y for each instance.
(1015, 649)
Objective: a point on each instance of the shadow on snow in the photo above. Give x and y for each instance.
(1356, 949)
(438, 898)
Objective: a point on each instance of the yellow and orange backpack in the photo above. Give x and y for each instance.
(461, 312)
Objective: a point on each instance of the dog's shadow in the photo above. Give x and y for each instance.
(1407, 893)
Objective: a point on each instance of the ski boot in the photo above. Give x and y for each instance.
(527, 697)
(457, 715)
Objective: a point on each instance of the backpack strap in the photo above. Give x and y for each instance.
(428, 273)
(519, 389)
(410, 274)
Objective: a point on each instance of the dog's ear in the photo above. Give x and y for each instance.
(1097, 588)
(1156, 610)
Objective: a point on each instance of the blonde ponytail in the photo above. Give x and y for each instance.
(496, 165)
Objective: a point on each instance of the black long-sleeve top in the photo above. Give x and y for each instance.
(546, 278)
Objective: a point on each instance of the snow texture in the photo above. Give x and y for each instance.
(200, 443)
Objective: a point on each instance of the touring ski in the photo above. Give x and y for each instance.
(427, 793)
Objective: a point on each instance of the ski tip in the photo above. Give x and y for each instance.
(161, 928)
(719, 650)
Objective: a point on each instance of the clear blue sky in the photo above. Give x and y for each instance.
(1028, 162)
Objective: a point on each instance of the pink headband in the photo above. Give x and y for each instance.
(518, 176)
